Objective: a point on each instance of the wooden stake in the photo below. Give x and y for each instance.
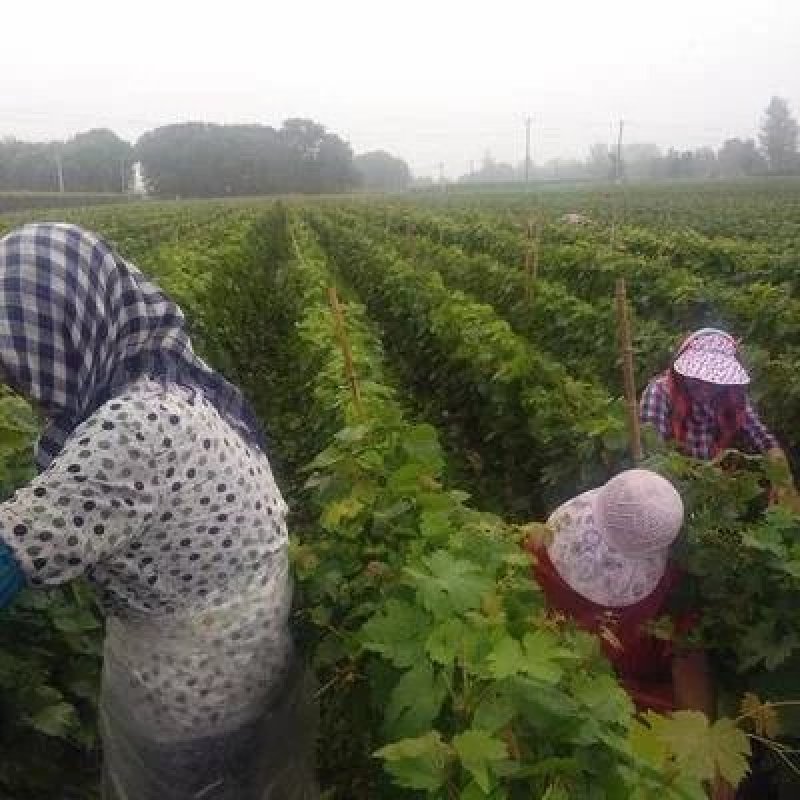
(626, 348)
(617, 216)
(531, 258)
(341, 336)
(412, 243)
(612, 241)
(528, 259)
(528, 271)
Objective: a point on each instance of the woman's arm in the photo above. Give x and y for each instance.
(783, 490)
(759, 435)
(90, 503)
(692, 683)
(654, 409)
(694, 691)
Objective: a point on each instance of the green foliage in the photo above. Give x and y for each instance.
(50, 646)
(688, 747)
(678, 279)
(440, 673)
(738, 546)
(427, 633)
(531, 422)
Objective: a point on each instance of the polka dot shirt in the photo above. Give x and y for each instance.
(179, 523)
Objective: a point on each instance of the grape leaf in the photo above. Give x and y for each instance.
(347, 508)
(701, 750)
(542, 653)
(418, 763)
(397, 633)
(449, 585)
(478, 750)
(506, 658)
(445, 643)
(730, 748)
(415, 701)
(494, 711)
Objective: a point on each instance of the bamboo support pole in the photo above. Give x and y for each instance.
(344, 343)
(618, 216)
(612, 242)
(531, 258)
(412, 243)
(528, 263)
(626, 349)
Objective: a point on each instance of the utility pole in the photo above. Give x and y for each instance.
(123, 177)
(527, 150)
(60, 168)
(618, 165)
(440, 165)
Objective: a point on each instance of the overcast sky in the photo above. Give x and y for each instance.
(434, 81)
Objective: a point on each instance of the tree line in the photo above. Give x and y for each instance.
(198, 159)
(775, 153)
(95, 161)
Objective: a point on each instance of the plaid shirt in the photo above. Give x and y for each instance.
(656, 409)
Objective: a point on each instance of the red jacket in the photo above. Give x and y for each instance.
(642, 661)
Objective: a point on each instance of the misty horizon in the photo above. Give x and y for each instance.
(441, 84)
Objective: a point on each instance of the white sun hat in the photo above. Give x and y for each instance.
(710, 355)
(611, 545)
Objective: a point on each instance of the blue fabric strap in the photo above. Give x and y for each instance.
(12, 578)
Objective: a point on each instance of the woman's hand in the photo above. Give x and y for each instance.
(783, 491)
(786, 496)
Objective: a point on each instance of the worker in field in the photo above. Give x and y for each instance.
(607, 566)
(154, 485)
(701, 403)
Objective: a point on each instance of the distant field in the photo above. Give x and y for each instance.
(20, 201)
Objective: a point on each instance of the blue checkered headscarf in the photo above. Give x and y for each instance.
(78, 324)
